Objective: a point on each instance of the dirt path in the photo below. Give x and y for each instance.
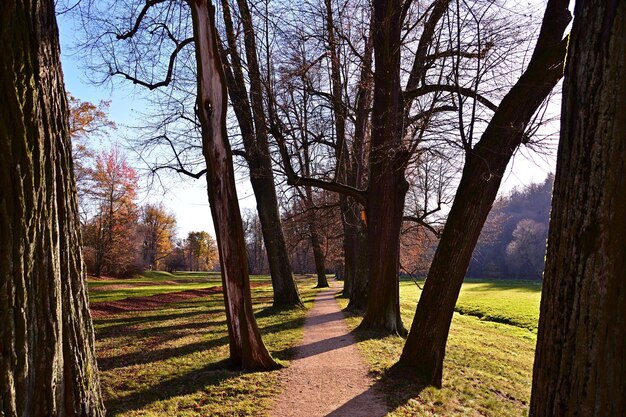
(328, 376)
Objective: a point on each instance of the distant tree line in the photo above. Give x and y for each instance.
(513, 241)
(120, 237)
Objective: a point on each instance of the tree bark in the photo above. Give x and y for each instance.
(47, 359)
(581, 345)
(485, 165)
(387, 184)
(341, 149)
(318, 256)
(252, 124)
(355, 240)
(246, 347)
(356, 249)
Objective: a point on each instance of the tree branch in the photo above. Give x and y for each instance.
(468, 92)
(298, 181)
(170, 69)
(144, 11)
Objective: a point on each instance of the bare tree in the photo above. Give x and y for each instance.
(125, 34)
(250, 112)
(246, 347)
(167, 23)
(422, 77)
(484, 168)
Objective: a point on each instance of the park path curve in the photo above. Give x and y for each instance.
(328, 376)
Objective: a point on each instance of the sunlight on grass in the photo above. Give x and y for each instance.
(488, 366)
(171, 361)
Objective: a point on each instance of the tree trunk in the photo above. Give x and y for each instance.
(356, 250)
(387, 185)
(47, 360)
(356, 246)
(318, 255)
(246, 347)
(286, 293)
(485, 165)
(250, 115)
(581, 345)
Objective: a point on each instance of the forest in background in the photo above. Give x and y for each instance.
(512, 244)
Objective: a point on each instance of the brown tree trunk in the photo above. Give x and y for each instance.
(356, 250)
(387, 184)
(318, 256)
(246, 347)
(356, 246)
(250, 114)
(485, 165)
(341, 149)
(47, 359)
(581, 345)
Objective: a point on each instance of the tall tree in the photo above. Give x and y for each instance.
(123, 37)
(581, 345)
(246, 347)
(47, 360)
(250, 112)
(388, 159)
(484, 168)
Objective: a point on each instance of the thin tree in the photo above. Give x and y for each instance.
(246, 347)
(483, 171)
(47, 361)
(250, 112)
(581, 345)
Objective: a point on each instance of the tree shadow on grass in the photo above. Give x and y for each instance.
(146, 356)
(152, 316)
(174, 330)
(212, 374)
(393, 389)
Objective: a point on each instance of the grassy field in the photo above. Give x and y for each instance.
(488, 366)
(170, 361)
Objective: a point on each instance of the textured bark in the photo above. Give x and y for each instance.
(246, 347)
(341, 150)
(47, 359)
(581, 345)
(387, 184)
(484, 168)
(355, 238)
(357, 250)
(318, 256)
(252, 124)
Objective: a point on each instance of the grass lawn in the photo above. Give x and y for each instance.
(170, 361)
(489, 358)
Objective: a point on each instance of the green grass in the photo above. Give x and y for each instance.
(488, 365)
(171, 361)
(509, 302)
(157, 282)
